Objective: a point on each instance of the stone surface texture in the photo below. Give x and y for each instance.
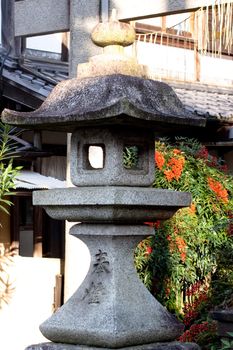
(119, 65)
(111, 204)
(113, 36)
(223, 315)
(84, 16)
(224, 320)
(33, 17)
(157, 346)
(113, 33)
(107, 100)
(111, 316)
(112, 309)
(113, 142)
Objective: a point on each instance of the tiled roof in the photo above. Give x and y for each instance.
(29, 81)
(209, 101)
(52, 72)
(39, 77)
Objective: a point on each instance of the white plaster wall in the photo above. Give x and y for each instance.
(215, 69)
(77, 255)
(50, 42)
(77, 263)
(32, 302)
(166, 61)
(175, 63)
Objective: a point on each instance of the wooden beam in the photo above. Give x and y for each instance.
(33, 17)
(138, 9)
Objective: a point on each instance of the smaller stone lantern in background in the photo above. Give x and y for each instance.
(113, 107)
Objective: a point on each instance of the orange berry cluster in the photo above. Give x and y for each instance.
(180, 244)
(218, 189)
(159, 160)
(174, 165)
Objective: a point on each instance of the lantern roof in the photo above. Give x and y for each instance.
(115, 99)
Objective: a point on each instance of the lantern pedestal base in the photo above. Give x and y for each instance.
(154, 346)
(112, 308)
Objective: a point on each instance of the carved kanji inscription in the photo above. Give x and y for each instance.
(97, 288)
(94, 292)
(101, 264)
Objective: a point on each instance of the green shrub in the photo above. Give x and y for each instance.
(183, 263)
(7, 171)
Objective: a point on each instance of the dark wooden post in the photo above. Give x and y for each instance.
(9, 41)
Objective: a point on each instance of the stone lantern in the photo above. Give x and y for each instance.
(113, 107)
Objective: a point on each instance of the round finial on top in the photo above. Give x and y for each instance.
(113, 33)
